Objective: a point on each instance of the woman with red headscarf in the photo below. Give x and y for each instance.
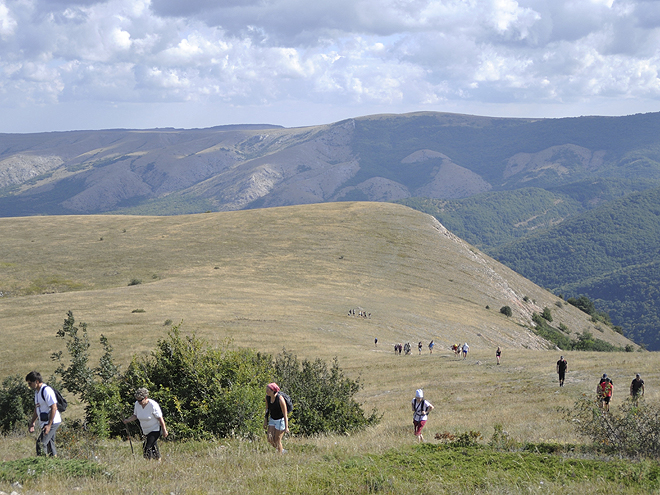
(278, 424)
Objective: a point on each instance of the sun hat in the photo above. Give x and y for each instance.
(419, 394)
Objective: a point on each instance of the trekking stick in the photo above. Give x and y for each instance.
(128, 434)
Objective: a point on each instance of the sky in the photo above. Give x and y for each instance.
(90, 64)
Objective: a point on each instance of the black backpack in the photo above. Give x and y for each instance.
(61, 401)
(287, 401)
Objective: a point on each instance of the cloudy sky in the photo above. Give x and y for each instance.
(91, 64)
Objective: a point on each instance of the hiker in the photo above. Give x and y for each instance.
(466, 349)
(376, 341)
(498, 354)
(151, 422)
(604, 392)
(278, 424)
(421, 408)
(419, 347)
(637, 386)
(431, 346)
(562, 366)
(45, 411)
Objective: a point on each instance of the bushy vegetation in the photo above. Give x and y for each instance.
(506, 310)
(204, 392)
(323, 397)
(633, 429)
(584, 342)
(16, 403)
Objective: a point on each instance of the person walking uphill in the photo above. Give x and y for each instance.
(45, 411)
(151, 421)
(637, 387)
(421, 408)
(562, 365)
(278, 424)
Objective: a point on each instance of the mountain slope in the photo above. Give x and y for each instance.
(264, 278)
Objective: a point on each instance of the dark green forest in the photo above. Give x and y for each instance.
(611, 253)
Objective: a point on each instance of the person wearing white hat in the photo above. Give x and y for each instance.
(421, 408)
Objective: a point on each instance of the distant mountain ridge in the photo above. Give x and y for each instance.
(375, 158)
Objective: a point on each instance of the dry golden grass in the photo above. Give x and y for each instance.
(263, 278)
(286, 277)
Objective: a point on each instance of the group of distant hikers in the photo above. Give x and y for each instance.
(407, 348)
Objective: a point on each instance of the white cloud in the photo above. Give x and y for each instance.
(7, 23)
(355, 55)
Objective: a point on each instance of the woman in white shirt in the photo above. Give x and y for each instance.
(151, 421)
(421, 408)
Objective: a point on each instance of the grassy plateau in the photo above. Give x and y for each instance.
(286, 278)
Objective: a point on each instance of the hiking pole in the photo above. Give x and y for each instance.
(128, 434)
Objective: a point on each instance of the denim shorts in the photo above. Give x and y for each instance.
(279, 424)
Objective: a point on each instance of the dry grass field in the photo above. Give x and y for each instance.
(286, 278)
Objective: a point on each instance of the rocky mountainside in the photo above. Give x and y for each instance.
(377, 158)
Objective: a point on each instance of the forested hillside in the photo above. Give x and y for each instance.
(610, 253)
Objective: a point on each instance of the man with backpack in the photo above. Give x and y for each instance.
(604, 392)
(46, 412)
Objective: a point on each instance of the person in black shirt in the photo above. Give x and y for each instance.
(278, 424)
(637, 387)
(562, 365)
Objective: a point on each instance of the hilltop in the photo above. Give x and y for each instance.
(266, 279)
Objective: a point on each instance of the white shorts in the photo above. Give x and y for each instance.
(279, 424)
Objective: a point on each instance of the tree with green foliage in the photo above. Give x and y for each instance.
(206, 392)
(547, 314)
(633, 430)
(583, 303)
(323, 398)
(16, 403)
(506, 310)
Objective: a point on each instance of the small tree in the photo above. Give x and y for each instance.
(547, 314)
(506, 310)
(633, 430)
(323, 398)
(16, 403)
(78, 376)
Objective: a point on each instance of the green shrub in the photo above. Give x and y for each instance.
(583, 303)
(632, 430)
(323, 398)
(550, 334)
(547, 315)
(16, 403)
(584, 342)
(506, 310)
(135, 281)
(203, 391)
